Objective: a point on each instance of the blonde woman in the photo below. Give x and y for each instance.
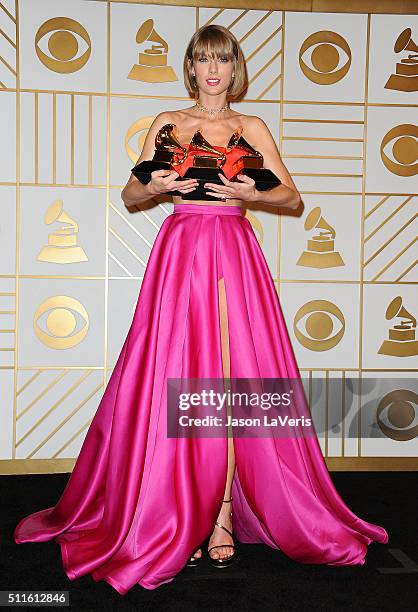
(139, 504)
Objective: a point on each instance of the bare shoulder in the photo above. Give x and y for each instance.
(256, 126)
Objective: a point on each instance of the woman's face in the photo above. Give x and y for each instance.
(213, 75)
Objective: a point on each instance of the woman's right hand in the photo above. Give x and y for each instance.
(163, 181)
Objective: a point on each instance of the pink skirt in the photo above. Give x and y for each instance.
(138, 503)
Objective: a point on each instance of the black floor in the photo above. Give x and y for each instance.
(262, 579)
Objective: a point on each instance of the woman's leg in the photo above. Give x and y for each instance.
(219, 536)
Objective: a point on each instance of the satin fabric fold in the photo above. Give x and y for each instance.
(138, 504)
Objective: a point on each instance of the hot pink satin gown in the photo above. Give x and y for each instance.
(138, 504)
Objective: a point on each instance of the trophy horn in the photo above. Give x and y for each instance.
(243, 144)
(234, 139)
(199, 142)
(166, 139)
(147, 32)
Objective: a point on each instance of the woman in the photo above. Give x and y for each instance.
(139, 503)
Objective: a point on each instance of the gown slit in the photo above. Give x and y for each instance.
(139, 503)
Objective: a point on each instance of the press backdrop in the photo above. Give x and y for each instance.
(82, 81)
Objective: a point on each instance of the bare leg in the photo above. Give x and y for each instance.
(219, 536)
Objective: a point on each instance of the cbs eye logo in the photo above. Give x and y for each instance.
(139, 128)
(404, 150)
(63, 45)
(61, 322)
(320, 319)
(396, 415)
(325, 57)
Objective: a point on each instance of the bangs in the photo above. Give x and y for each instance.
(213, 44)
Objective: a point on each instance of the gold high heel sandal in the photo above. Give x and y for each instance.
(228, 560)
(194, 561)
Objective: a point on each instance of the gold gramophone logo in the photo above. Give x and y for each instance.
(400, 414)
(62, 242)
(63, 45)
(401, 342)
(320, 251)
(61, 322)
(404, 149)
(152, 62)
(406, 77)
(325, 57)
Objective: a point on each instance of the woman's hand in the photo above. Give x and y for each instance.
(163, 181)
(243, 189)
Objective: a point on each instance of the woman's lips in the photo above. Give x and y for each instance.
(212, 82)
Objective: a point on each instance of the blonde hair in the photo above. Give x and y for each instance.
(216, 41)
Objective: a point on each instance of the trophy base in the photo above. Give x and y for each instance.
(143, 170)
(311, 259)
(399, 349)
(264, 179)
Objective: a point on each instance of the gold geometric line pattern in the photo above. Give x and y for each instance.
(338, 121)
(122, 241)
(8, 66)
(7, 12)
(9, 40)
(10, 69)
(263, 93)
(129, 224)
(322, 156)
(214, 16)
(70, 440)
(28, 382)
(405, 272)
(71, 142)
(36, 138)
(67, 418)
(266, 65)
(328, 139)
(54, 137)
(229, 26)
(54, 405)
(41, 395)
(380, 249)
(387, 219)
(397, 256)
(90, 145)
(255, 26)
(120, 264)
(333, 174)
(263, 44)
(378, 205)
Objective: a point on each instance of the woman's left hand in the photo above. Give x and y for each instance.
(243, 189)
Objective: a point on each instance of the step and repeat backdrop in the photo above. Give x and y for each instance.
(80, 84)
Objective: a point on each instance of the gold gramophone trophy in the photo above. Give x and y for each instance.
(202, 161)
(320, 251)
(62, 243)
(168, 153)
(406, 77)
(402, 342)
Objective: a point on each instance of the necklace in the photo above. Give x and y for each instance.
(211, 111)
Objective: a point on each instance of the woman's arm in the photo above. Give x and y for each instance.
(135, 192)
(285, 194)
